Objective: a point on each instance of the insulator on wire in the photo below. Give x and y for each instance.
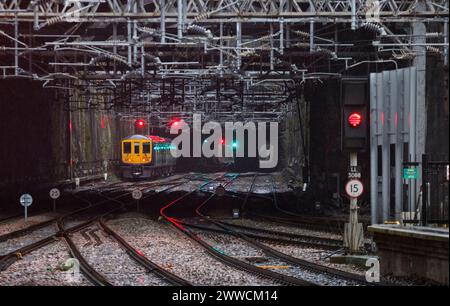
(374, 28)
(248, 53)
(148, 30)
(433, 50)
(56, 19)
(199, 30)
(433, 34)
(201, 16)
(302, 33)
(301, 45)
(105, 56)
(326, 51)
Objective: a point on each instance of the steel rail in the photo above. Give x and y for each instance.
(137, 255)
(307, 265)
(8, 259)
(228, 260)
(270, 238)
(94, 276)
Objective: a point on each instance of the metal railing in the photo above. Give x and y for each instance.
(435, 181)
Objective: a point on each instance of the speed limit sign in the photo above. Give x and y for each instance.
(354, 188)
(136, 194)
(54, 193)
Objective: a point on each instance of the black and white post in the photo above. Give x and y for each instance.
(353, 231)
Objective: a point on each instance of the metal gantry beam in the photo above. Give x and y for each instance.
(249, 40)
(116, 9)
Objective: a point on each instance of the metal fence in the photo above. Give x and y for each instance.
(435, 178)
(431, 204)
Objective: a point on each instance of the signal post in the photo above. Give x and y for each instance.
(354, 119)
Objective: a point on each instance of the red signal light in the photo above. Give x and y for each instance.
(355, 119)
(140, 123)
(175, 122)
(222, 141)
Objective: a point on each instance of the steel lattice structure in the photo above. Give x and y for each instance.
(104, 44)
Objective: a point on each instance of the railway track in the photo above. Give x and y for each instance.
(304, 264)
(277, 214)
(37, 226)
(222, 257)
(8, 259)
(65, 233)
(137, 255)
(99, 279)
(271, 236)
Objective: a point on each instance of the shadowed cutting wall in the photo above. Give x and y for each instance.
(34, 135)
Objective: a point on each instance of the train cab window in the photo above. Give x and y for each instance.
(136, 147)
(146, 147)
(127, 147)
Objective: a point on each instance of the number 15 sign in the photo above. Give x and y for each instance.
(354, 188)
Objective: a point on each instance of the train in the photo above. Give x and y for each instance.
(146, 157)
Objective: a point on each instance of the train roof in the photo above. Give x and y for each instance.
(158, 139)
(138, 137)
(147, 137)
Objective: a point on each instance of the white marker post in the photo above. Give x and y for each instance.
(54, 194)
(26, 200)
(137, 195)
(353, 231)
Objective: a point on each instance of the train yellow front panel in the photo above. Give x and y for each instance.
(136, 151)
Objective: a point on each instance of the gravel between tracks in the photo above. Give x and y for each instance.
(170, 249)
(283, 228)
(41, 268)
(239, 248)
(110, 259)
(19, 223)
(19, 242)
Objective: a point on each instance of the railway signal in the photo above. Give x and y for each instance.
(175, 122)
(355, 119)
(354, 139)
(140, 123)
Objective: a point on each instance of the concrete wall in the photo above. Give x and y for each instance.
(36, 143)
(26, 113)
(437, 108)
(292, 157)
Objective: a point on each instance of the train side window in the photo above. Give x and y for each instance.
(127, 147)
(136, 147)
(146, 147)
